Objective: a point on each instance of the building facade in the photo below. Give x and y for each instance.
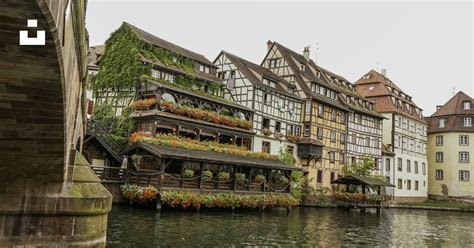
(404, 131)
(364, 127)
(450, 134)
(324, 121)
(277, 118)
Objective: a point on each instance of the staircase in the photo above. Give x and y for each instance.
(95, 129)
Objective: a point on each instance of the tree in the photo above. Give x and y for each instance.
(362, 168)
(285, 155)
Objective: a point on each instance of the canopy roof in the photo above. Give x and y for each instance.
(208, 156)
(361, 180)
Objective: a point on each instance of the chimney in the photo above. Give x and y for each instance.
(438, 107)
(306, 53)
(384, 72)
(269, 45)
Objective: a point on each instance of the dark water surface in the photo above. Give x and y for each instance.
(309, 227)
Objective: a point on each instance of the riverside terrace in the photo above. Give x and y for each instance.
(170, 168)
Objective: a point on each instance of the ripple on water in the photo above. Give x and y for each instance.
(309, 227)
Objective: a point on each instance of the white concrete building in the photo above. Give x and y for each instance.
(404, 131)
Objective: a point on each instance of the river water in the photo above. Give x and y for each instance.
(310, 227)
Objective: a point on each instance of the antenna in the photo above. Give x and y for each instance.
(454, 90)
(378, 64)
(316, 56)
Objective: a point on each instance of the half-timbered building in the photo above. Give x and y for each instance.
(324, 121)
(364, 128)
(277, 118)
(404, 130)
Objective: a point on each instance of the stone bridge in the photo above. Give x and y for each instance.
(48, 194)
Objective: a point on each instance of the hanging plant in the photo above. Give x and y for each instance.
(223, 176)
(188, 173)
(240, 177)
(206, 175)
(260, 178)
(284, 180)
(137, 159)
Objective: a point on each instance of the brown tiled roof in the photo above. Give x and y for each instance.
(169, 46)
(309, 75)
(382, 95)
(212, 157)
(454, 113)
(342, 86)
(249, 69)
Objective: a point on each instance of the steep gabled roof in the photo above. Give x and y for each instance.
(290, 57)
(249, 69)
(375, 85)
(152, 39)
(455, 106)
(342, 86)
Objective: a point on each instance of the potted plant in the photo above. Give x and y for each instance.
(260, 178)
(223, 176)
(278, 135)
(188, 173)
(240, 177)
(206, 175)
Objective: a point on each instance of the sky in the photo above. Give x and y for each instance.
(426, 47)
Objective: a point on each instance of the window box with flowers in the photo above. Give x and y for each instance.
(279, 135)
(145, 104)
(267, 131)
(293, 138)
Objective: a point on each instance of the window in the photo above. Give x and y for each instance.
(342, 158)
(464, 175)
(333, 176)
(319, 177)
(272, 63)
(343, 138)
(439, 140)
(466, 105)
(332, 136)
(463, 140)
(400, 164)
(269, 82)
(442, 122)
(343, 117)
(319, 133)
(408, 165)
(232, 74)
(333, 114)
(297, 130)
(205, 68)
(320, 110)
(302, 67)
(267, 99)
(400, 184)
(308, 108)
(416, 167)
(423, 168)
(387, 164)
(439, 157)
(408, 184)
(416, 185)
(463, 157)
(265, 123)
(290, 149)
(266, 147)
(278, 126)
(289, 129)
(332, 157)
(313, 87)
(439, 174)
(467, 121)
(306, 131)
(291, 90)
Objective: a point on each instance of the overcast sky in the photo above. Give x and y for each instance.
(426, 47)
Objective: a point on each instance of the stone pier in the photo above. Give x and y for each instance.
(48, 194)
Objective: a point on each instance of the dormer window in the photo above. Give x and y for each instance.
(442, 122)
(367, 76)
(204, 68)
(371, 87)
(302, 67)
(291, 90)
(313, 87)
(467, 122)
(269, 82)
(466, 105)
(318, 74)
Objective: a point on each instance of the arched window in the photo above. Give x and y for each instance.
(168, 97)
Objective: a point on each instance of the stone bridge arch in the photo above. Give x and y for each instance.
(52, 196)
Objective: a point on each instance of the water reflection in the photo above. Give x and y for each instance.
(129, 227)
